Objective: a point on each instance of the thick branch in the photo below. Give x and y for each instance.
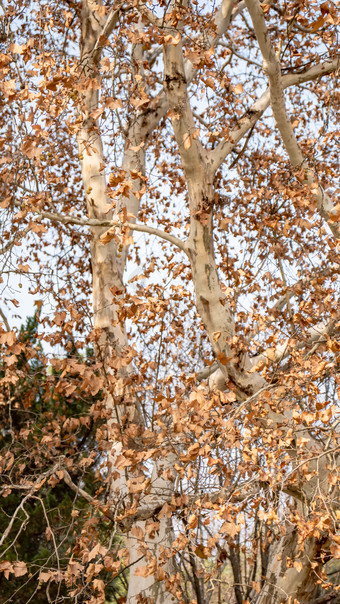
(221, 22)
(105, 33)
(221, 152)
(302, 283)
(271, 66)
(316, 335)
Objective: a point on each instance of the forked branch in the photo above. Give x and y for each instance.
(254, 113)
(271, 66)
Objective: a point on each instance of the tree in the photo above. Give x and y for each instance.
(210, 130)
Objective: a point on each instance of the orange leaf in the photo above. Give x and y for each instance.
(187, 141)
(237, 89)
(142, 571)
(20, 569)
(172, 40)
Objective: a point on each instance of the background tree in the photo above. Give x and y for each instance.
(212, 131)
(41, 522)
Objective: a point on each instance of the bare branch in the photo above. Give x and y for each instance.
(291, 291)
(4, 318)
(68, 480)
(238, 55)
(32, 489)
(14, 516)
(93, 222)
(19, 235)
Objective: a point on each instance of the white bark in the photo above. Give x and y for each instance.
(211, 303)
(217, 315)
(224, 148)
(107, 273)
(271, 66)
(288, 584)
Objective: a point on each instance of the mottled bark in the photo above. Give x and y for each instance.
(271, 66)
(198, 165)
(107, 269)
(286, 582)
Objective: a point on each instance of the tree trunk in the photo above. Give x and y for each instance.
(148, 564)
(296, 582)
(281, 582)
